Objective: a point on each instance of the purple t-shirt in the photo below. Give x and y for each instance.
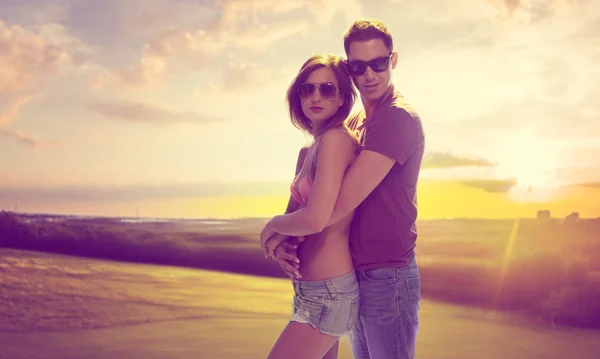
(383, 232)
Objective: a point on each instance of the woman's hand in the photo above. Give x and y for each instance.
(287, 258)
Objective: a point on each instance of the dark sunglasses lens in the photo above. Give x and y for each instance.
(357, 68)
(306, 90)
(327, 90)
(377, 65)
(380, 65)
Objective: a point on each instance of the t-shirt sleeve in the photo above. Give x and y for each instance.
(394, 133)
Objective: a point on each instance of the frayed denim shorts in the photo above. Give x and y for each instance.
(331, 305)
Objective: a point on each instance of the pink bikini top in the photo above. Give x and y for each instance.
(303, 192)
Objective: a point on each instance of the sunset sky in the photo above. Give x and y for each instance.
(176, 108)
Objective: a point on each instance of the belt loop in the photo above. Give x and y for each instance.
(330, 287)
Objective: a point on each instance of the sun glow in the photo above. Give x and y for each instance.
(532, 162)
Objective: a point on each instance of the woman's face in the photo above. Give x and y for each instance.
(320, 96)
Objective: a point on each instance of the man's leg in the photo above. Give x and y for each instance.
(358, 340)
(389, 311)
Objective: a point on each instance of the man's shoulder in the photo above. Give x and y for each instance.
(400, 108)
(396, 113)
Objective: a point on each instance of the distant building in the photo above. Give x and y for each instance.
(572, 218)
(543, 215)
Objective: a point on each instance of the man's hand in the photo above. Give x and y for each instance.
(265, 235)
(273, 243)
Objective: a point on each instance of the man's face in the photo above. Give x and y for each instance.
(371, 84)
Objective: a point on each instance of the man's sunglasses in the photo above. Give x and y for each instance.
(327, 90)
(380, 64)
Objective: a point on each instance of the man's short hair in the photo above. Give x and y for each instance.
(365, 30)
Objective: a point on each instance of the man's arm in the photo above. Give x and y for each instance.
(369, 169)
(336, 152)
(365, 174)
(394, 137)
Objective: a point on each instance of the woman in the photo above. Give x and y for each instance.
(326, 298)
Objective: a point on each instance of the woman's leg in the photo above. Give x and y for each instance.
(333, 352)
(301, 341)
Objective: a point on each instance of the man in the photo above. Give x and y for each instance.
(381, 185)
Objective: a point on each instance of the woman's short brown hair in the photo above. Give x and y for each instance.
(337, 64)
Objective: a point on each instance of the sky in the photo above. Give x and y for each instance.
(176, 108)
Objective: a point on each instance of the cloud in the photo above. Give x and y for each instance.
(436, 160)
(590, 184)
(19, 137)
(491, 186)
(9, 112)
(258, 11)
(508, 7)
(236, 12)
(144, 113)
(12, 108)
(589, 29)
(245, 28)
(175, 43)
(25, 59)
(34, 11)
(528, 11)
(29, 57)
(546, 118)
(239, 75)
(175, 48)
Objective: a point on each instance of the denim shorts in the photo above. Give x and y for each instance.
(330, 304)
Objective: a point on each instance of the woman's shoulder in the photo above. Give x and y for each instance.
(341, 140)
(340, 133)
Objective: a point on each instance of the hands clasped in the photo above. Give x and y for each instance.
(283, 249)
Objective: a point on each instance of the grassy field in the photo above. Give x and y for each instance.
(548, 274)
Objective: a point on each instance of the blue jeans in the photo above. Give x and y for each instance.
(388, 319)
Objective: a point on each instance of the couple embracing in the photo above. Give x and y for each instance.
(348, 236)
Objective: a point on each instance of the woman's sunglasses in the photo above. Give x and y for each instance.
(327, 90)
(380, 64)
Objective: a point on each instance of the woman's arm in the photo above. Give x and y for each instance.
(337, 151)
(289, 266)
(292, 205)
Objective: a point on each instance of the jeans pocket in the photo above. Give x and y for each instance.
(380, 275)
(413, 286)
(310, 307)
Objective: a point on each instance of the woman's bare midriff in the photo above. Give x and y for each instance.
(326, 254)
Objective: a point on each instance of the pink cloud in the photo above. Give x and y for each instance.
(22, 138)
(25, 59)
(168, 46)
(245, 26)
(12, 108)
(145, 113)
